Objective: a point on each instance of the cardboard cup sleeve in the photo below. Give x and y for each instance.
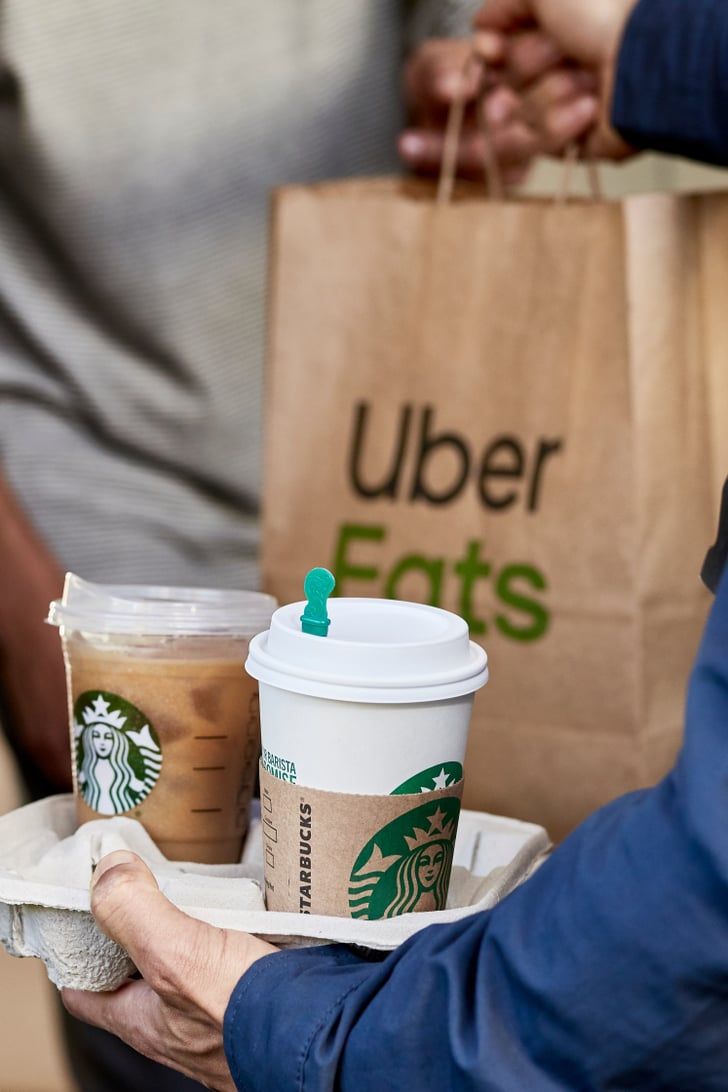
(358, 856)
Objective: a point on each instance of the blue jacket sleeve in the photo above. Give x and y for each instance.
(608, 969)
(671, 89)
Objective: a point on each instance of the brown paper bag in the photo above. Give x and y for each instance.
(519, 412)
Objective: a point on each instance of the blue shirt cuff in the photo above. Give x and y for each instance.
(300, 990)
(672, 78)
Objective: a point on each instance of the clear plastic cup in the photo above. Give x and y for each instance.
(163, 718)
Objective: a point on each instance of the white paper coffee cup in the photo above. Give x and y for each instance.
(382, 705)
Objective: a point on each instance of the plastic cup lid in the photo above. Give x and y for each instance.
(377, 650)
(143, 609)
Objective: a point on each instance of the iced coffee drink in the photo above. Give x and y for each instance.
(164, 721)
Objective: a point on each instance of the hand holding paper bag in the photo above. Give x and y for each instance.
(559, 56)
(436, 76)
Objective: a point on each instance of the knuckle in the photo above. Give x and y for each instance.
(427, 56)
(556, 86)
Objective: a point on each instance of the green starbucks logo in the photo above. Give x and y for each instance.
(118, 754)
(406, 865)
(442, 776)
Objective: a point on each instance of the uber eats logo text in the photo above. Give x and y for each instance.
(422, 463)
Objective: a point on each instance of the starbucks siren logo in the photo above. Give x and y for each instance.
(118, 755)
(442, 776)
(406, 865)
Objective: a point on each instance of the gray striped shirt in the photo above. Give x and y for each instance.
(138, 142)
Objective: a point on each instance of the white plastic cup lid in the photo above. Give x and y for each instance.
(377, 650)
(142, 609)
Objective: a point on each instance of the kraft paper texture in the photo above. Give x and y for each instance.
(516, 411)
(368, 857)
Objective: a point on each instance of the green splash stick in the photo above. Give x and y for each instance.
(317, 587)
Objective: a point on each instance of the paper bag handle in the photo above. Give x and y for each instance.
(572, 156)
(453, 132)
(491, 167)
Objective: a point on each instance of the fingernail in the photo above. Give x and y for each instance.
(585, 108)
(488, 45)
(496, 110)
(411, 144)
(111, 860)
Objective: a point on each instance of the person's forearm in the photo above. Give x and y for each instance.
(607, 969)
(576, 981)
(29, 574)
(32, 685)
(671, 83)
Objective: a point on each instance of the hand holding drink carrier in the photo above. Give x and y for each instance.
(364, 721)
(365, 717)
